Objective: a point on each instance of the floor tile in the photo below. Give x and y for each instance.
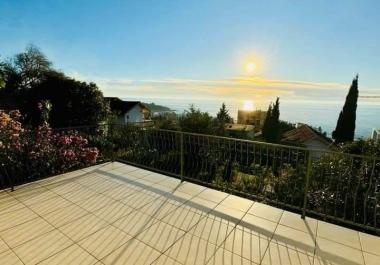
(3, 246)
(135, 222)
(293, 220)
(41, 196)
(183, 218)
(64, 215)
(212, 229)
(42, 247)
(18, 235)
(160, 236)
(120, 192)
(113, 211)
(165, 260)
(132, 252)
(138, 200)
(155, 178)
(212, 195)
(104, 185)
(228, 214)
(295, 239)
(95, 202)
(79, 195)
(190, 188)
(246, 245)
(191, 249)
(90, 179)
(329, 252)
(9, 204)
(139, 173)
(201, 204)
(83, 227)
(71, 255)
(159, 208)
(104, 241)
(63, 188)
(237, 203)
(50, 205)
(14, 218)
(225, 257)
(257, 226)
(371, 259)
(370, 243)
(9, 258)
(339, 234)
(279, 254)
(265, 211)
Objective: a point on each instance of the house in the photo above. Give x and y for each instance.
(375, 136)
(252, 117)
(306, 136)
(240, 130)
(129, 112)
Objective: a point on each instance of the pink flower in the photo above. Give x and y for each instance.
(39, 106)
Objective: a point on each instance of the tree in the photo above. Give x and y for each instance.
(271, 127)
(73, 103)
(26, 69)
(222, 118)
(266, 126)
(345, 127)
(29, 80)
(196, 121)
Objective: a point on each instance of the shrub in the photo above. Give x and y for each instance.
(28, 154)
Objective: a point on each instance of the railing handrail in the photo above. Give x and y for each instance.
(299, 148)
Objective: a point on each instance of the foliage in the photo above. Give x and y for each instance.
(362, 147)
(196, 121)
(285, 126)
(271, 127)
(345, 127)
(74, 103)
(29, 153)
(26, 69)
(30, 79)
(166, 122)
(222, 118)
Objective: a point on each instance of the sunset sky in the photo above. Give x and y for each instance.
(299, 50)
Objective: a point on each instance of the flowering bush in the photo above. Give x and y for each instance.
(10, 130)
(40, 152)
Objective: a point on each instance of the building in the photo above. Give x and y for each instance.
(252, 117)
(308, 137)
(133, 112)
(240, 130)
(375, 135)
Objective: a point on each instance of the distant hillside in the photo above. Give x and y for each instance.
(157, 108)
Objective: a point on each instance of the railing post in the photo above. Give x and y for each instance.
(181, 147)
(308, 173)
(111, 135)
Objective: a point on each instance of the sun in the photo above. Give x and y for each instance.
(248, 105)
(250, 67)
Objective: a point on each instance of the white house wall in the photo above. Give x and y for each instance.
(134, 115)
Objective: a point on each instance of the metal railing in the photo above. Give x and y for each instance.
(333, 186)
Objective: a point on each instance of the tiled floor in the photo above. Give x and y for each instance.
(119, 214)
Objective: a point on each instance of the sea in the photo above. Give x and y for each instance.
(322, 114)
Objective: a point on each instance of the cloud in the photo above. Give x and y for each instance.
(239, 88)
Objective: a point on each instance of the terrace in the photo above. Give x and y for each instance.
(114, 213)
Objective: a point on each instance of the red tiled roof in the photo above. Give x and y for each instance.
(304, 133)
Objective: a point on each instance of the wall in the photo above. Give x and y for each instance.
(134, 115)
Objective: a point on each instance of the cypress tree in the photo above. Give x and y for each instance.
(345, 127)
(275, 124)
(266, 126)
